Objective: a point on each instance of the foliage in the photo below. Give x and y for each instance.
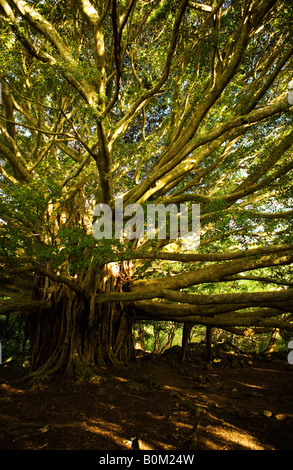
(13, 341)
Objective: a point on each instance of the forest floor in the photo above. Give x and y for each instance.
(238, 402)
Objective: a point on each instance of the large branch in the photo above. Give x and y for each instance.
(193, 257)
(23, 36)
(89, 12)
(268, 215)
(174, 312)
(200, 6)
(149, 94)
(94, 18)
(246, 299)
(162, 174)
(54, 277)
(15, 160)
(43, 26)
(216, 272)
(22, 306)
(47, 30)
(265, 280)
(153, 312)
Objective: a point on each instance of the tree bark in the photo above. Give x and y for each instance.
(76, 335)
(209, 343)
(272, 343)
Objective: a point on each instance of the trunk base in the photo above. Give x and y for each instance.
(76, 336)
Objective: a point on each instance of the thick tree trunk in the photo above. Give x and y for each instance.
(187, 327)
(77, 335)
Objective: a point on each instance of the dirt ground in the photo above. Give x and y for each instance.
(235, 403)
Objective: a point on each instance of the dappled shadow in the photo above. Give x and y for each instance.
(154, 405)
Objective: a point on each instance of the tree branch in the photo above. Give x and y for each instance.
(193, 257)
(247, 299)
(54, 277)
(22, 306)
(216, 272)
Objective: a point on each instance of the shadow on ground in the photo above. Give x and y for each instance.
(235, 403)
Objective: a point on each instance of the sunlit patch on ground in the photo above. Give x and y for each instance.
(228, 438)
(152, 405)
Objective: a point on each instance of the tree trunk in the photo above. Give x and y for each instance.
(170, 336)
(76, 335)
(209, 343)
(272, 343)
(187, 327)
(140, 339)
